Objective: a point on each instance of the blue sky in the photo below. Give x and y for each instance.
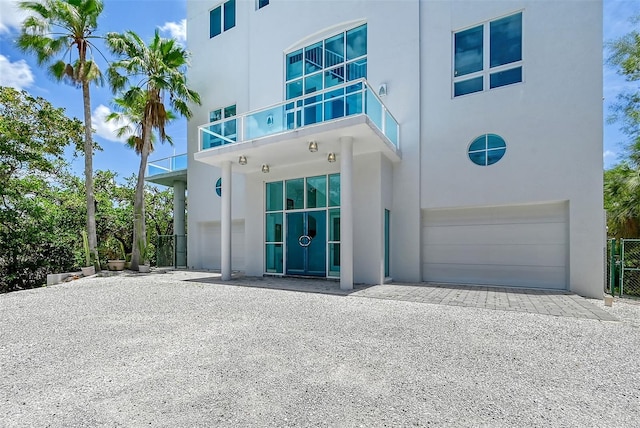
(144, 16)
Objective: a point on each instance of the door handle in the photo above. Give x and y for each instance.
(304, 240)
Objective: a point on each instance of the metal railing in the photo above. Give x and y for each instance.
(623, 267)
(166, 165)
(171, 251)
(348, 99)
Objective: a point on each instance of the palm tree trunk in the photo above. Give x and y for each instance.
(88, 172)
(139, 226)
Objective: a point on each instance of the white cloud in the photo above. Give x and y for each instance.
(15, 74)
(11, 16)
(104, 129)
(608, 154)
(177, 30)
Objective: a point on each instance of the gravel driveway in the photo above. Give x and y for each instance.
(158, 351)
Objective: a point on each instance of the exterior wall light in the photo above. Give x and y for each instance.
(265, 168)
(332, 157)
(382, 90)
(313, 146)
(242, 160)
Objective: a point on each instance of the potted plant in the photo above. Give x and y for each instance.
(89, 268)
(115, 258)
(144, 266)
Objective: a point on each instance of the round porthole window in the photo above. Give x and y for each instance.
(487, 149)
(219, 187)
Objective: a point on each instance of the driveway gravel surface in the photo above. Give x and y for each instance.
(156, 350)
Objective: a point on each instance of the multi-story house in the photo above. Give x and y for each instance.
(368, 141)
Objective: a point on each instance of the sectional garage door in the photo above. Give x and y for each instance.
(520, 246)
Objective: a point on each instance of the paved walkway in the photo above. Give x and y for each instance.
(547, 302)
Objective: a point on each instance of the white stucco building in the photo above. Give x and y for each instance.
(439, 141)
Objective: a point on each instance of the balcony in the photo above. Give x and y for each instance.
(167, 170)
(353, 109)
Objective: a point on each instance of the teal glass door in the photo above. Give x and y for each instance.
(307, 243)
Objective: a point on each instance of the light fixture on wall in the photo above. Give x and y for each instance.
(242, 160)
(382, 90)
(265, 168)
(332, 157)
(313, 146)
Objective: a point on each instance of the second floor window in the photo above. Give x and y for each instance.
(488, 56)
(222, 18)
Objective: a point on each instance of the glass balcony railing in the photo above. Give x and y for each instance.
(350, 99)
(163, 166)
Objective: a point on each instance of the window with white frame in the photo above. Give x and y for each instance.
(488, 56)
(222, 125)
(222, 18)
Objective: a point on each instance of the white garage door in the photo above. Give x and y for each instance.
(519, 246)
(211, 235)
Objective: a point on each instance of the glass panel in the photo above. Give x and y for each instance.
(274, 196)
(262, 3)
(357, 42)
(273, 258)
(494, 156)
(374, 109)
(468, 51)
(219, 187)
(334, 190)
(273, 227)
(479, 158)
(317, 249)
(505, 40)
(467, 86)
(354, 104)
(317, 192)
(179, 162)
(506, 77)
(294, 89)
(495, 142)
(313, 100)
(333, 77)
(295, 252)
(230, 111)
(294, 64)
(215, 115)
(334, 225)
(357, 69)
(313, 83)
(230, 129)
(312, 114)
(334, 94)
(295, 194)
(229, 14)
(391, 128)
(334, 50)
(313, 58)
(334, 109)
(214, 140)
(479, 143)
(215, 22)
(334, 259)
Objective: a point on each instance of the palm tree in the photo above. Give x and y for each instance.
(159, 71)
(53, 31)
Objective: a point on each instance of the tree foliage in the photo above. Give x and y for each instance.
(36, 231)
(158, 72)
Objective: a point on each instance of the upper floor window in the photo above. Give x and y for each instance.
(225, 128)
(488, 56)
(222, 18)
(329, 62)
(261, 3)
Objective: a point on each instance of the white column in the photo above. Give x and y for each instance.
(346, 213)
(225, 222)
(179, 188)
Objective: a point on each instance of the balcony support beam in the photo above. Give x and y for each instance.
(225, 222)
(346, 213)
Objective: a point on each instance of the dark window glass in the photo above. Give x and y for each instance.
(468, 86)
(357, 69)
(487, 149)
(215, 19)
(295, 194)
(313, 58)
(334, 50)
(229, 14)
(274, 196)
(294, 89)
(468, 51)
(494, 156)
(230, 111)
(219, 187)
(506, 77)
(505, 40)
(262, 3)
(294, 64)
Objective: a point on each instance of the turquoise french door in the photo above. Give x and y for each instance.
(307, 243)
